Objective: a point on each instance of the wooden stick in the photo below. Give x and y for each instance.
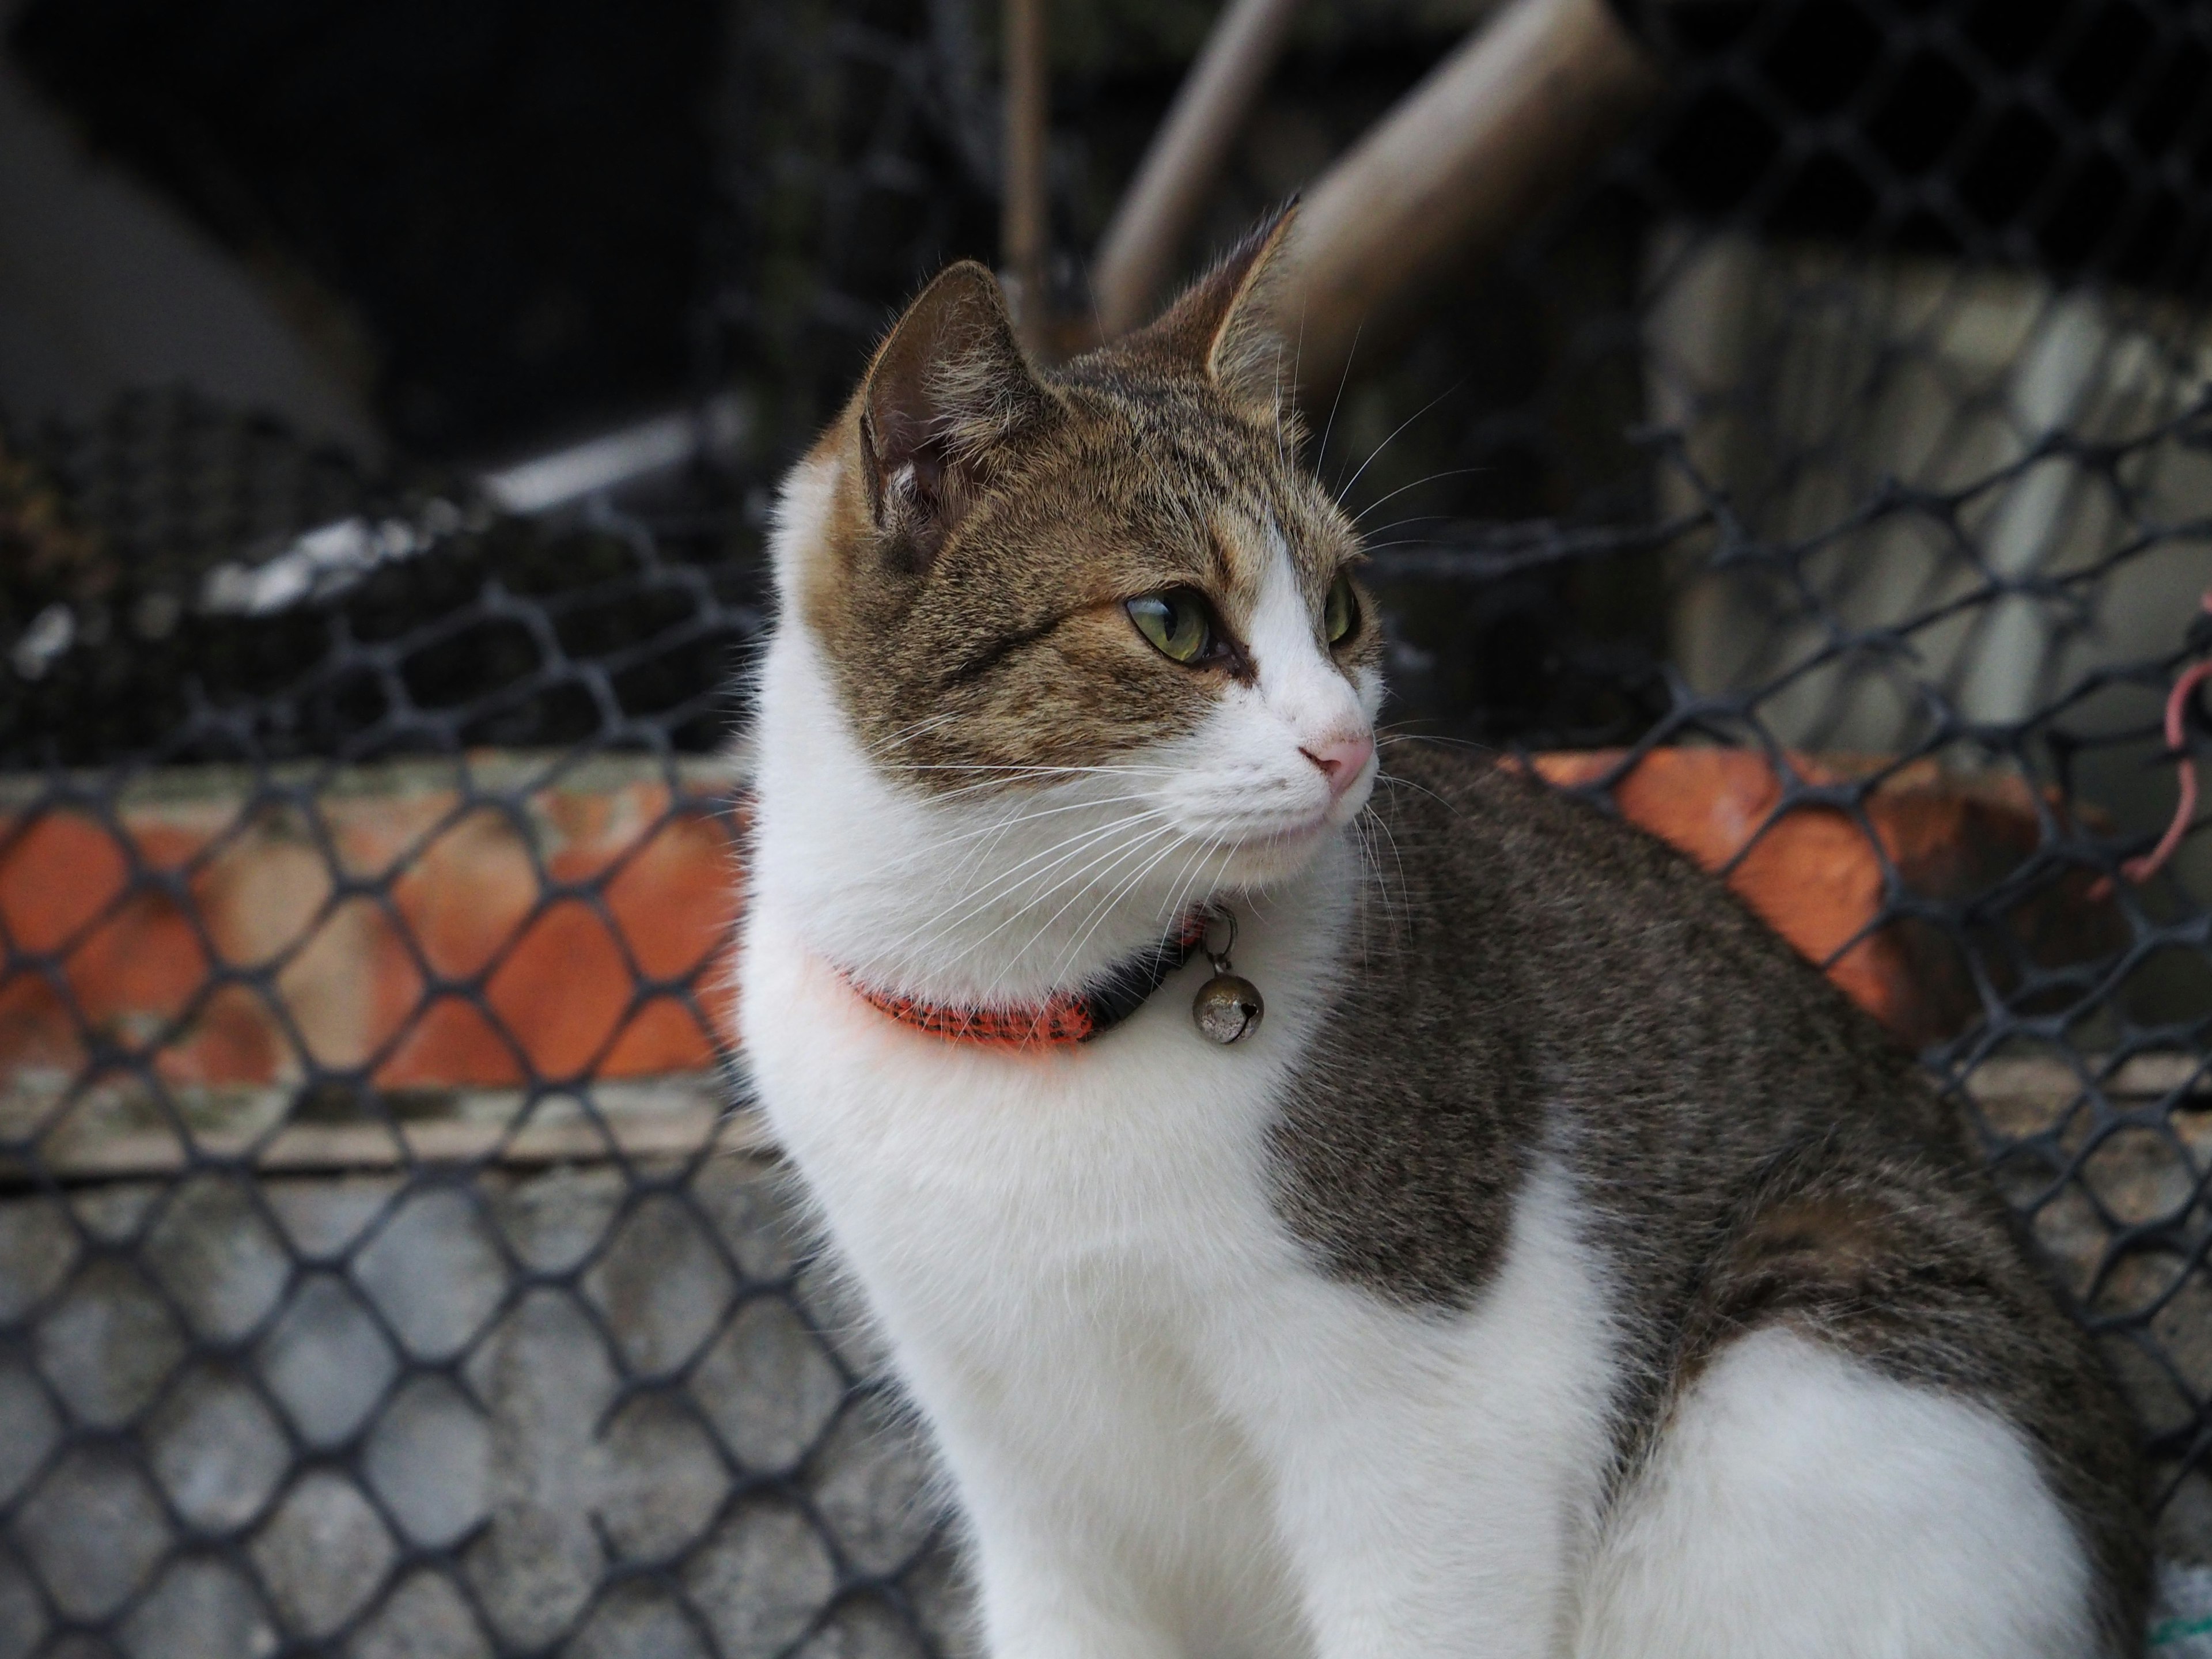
(1186, 159)
(332, 1148)
(1472, 155)
(1024, 209)
(2020, 1093)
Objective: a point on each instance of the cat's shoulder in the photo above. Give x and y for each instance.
(1583, 913)
(1475, 817)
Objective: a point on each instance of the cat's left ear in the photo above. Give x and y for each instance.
(1230, 321)
(948, 389)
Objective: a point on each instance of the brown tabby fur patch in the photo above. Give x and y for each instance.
(973, 614)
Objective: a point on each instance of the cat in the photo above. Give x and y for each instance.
(1558, 1265)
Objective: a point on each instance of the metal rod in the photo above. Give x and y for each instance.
(1186, 158)
(1493, 136)
(1023, 213)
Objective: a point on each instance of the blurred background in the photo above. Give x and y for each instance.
(1795, 438)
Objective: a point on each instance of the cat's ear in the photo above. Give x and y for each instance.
(1230, 321)
(948, 386)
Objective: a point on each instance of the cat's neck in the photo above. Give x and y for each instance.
(988, 899)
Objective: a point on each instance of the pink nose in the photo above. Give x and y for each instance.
(1341, 759)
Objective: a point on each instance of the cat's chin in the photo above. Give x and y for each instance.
(1264, 859)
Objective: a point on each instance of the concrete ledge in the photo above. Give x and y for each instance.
(115, 1131)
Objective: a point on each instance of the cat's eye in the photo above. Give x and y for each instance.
(1178, 623)
(1339, 612)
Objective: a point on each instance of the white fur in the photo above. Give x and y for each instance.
(1170, 1435)
(1802, 1504)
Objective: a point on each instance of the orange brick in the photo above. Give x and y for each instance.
(462, 904)
(465, 905)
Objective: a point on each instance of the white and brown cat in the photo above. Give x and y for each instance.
(1560, 1267)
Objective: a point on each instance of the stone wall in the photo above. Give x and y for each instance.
(583, 1408)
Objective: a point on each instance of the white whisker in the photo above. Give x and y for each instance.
(1080, 884)
(968, 906)
(1102, 907)
(1346, 488)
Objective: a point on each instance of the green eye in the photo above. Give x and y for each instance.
(1177, 622)
(1339, 612)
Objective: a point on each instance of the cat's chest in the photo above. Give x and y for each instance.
(959, 1171)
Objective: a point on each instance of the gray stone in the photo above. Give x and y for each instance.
(425, 1618)
(78, 1645)
(326, 1362)
(28, 1426)
(533, 1570)
(430, 1459)
(553, 1221)
(434, 1271)
(632, 1622)
(871, 1481)
(756, 1208)
(833, 1306)
(532, 1455)
(93, 1531)
(108, 1343)
(660, 1284)
(213, 1253)
(761, 1579)
(199, 1609)
(216, 1448)
(533, 1566)
(863, 1630)
(768, 1386)
(323, 1554)
(663, 1478)
(22, 1620)
(322, 1217)
(115, 1212)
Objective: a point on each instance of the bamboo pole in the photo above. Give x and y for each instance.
(1023, 211)
(676, 1116)
(2020, 1094)
(1470, 157)
(1186, 159)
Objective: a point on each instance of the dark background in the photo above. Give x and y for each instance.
(527, 216)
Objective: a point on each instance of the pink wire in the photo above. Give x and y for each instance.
(2141, 870)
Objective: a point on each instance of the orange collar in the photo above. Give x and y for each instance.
(1060, 1020)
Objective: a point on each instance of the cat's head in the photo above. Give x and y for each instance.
(1117, 579)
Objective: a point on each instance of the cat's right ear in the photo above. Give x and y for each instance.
(948, 388)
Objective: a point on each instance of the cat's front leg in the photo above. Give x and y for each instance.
(1436, 1468)
(1426, 1557)
(1047, 1540)
(1039, 1601)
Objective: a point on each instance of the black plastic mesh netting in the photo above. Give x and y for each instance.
(1827, 482)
